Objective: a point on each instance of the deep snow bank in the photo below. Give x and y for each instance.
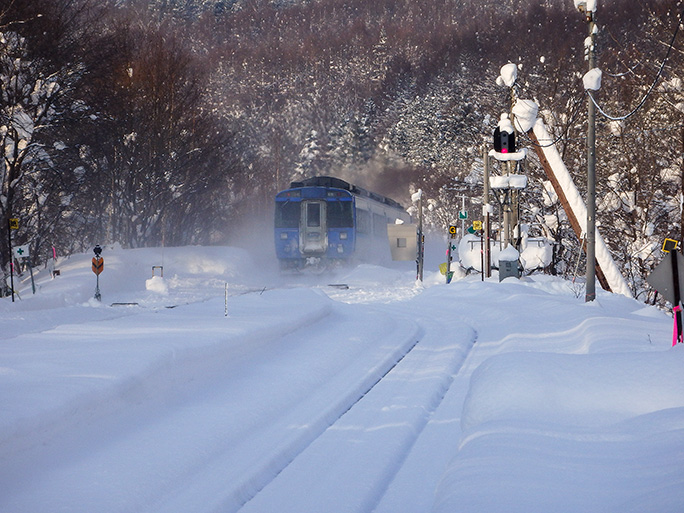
(74, 373)
(571, 432)
(587, 390)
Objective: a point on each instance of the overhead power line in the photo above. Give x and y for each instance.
(650, 89)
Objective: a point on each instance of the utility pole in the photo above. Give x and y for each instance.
(418, 198)
(591, 165)
(11, 225)
(486, 211)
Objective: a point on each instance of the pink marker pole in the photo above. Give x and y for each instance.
(675, 335)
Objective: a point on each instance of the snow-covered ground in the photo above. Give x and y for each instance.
(374, 395)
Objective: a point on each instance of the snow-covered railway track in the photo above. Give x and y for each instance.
(205, 429)
(380, 342)
(364, 448)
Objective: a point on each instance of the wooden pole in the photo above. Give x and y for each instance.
(564, 203)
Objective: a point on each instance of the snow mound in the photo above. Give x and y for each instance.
(157, 284)
(552, 388)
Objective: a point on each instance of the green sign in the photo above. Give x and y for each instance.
(462, 214)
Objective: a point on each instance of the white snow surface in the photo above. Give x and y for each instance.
(505, 157)
(592, 79)
(586, 5)
(509, 254)
(525, 114)
(377, 394)
(509, 181)
(508, 75)
(505, 124)
(536, 253)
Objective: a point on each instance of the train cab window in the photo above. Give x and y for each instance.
(313, 215)
(340, 214)
(287, 214)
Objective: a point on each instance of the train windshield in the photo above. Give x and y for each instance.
(287, 214)
(340, 214)
(313, 215)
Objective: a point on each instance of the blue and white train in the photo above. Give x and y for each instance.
(324, 221)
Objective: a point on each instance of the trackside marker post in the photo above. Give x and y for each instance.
(450, 247)
(666, 278)
(677, 298)
(98, 267)
(676, 332)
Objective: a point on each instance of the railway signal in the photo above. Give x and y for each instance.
(98, 267)
(504, 142)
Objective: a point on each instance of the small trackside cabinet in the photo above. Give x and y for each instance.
(508, 263)
(508, 268)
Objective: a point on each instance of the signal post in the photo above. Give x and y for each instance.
(12, 224)
(98, 267)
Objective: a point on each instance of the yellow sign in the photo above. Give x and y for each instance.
(14, 223)
(670, 245)
(452, 230)
(477, 225)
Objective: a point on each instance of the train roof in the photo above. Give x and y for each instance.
(337, 183)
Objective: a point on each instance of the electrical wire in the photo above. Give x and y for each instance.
(619, 75)
(650, 89)
(600, 109)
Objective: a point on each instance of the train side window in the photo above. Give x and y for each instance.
(287, 214)
(379, 224)
(363, 221)
(340, 214)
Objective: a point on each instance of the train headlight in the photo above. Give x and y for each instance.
(340, 248)
(343, 235)
(283, 235)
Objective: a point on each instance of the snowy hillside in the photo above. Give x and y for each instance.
(221, 387)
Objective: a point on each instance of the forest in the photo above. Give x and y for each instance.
(175, 122)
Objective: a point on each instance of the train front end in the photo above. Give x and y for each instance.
(314, 226)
